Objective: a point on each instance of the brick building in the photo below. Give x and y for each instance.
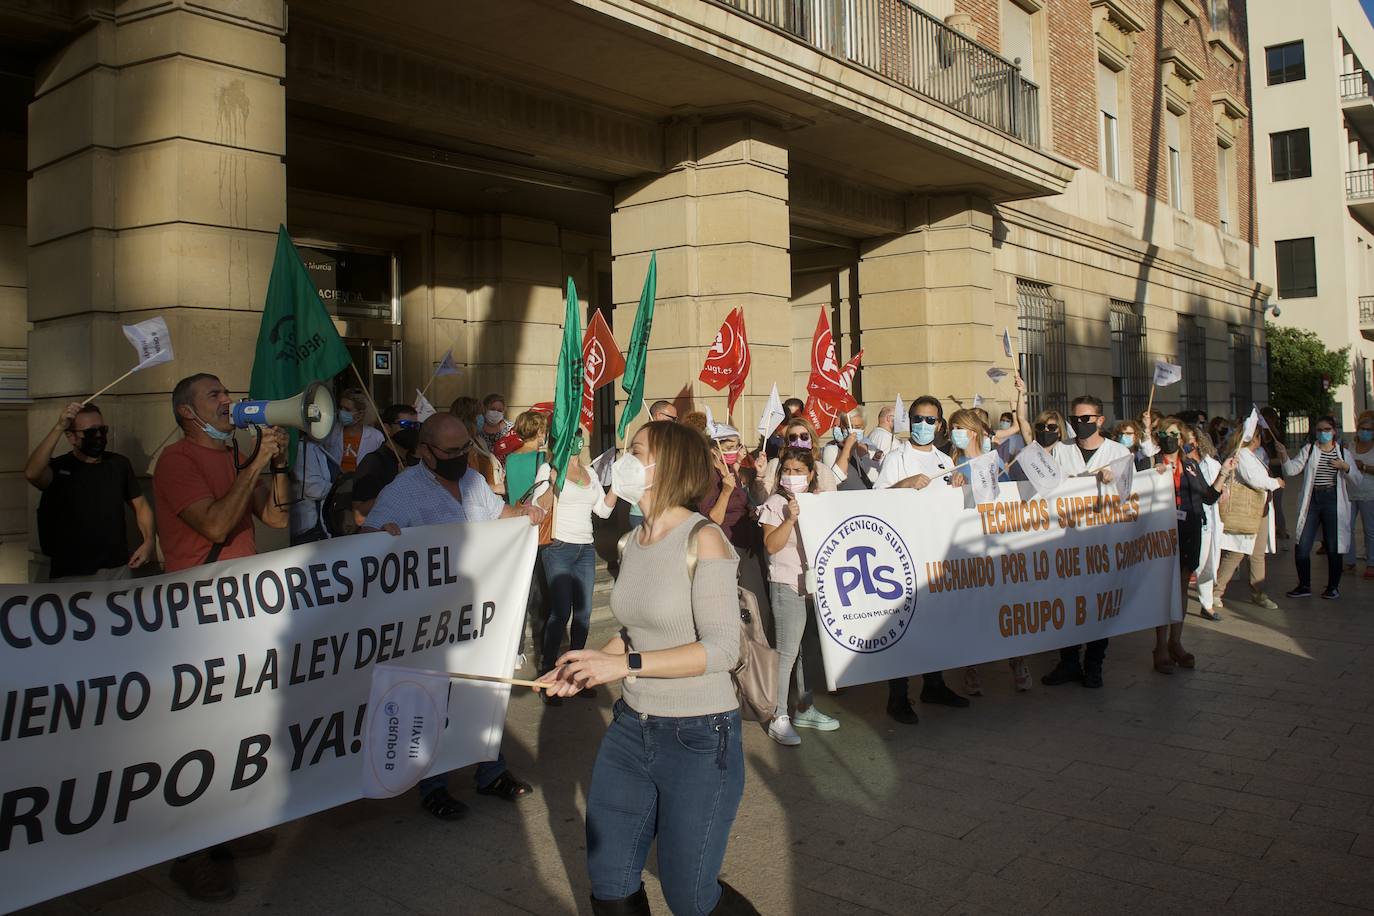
(445, 167)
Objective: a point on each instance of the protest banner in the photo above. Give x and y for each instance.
(911, 581)
(149, 718)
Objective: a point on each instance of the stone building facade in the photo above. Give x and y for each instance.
(445, 167)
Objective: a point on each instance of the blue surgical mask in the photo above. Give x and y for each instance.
(959, 438)
(345, 417)
(1127, 439)
(218, 435)
(1326, 436)
(1189, 448)
(839, 435)
(1005, 424)
(987, 444)
(1367, 435)
(922, 433)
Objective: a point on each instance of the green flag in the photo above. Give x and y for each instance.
(297, 343)
(567, 399)
(633, 382)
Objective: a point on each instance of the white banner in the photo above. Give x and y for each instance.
(152, 341)
(911, 581)
(145, 719)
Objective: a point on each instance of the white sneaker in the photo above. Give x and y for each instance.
(781, 731)
(811, 717)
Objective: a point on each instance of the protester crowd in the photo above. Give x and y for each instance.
(701, 512)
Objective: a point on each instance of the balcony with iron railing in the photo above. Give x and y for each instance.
(1359, 193)
(1357, 101)
(1367, 317)
(898, 41)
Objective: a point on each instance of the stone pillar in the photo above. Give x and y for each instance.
(14, 333)
(156, 145)
(927, 306)
(719, 222)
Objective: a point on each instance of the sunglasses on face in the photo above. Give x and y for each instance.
(929, 421)
(800, 440)
(1086, 416)
(408, 424)
(1047, 427)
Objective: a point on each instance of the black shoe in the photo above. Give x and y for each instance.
(732, 903)
(637, 904)
(1302, 591)
(1062, 674)
(903, 712)
(444, 806)
(1092, 677)
(1330, 593)
(941, 695)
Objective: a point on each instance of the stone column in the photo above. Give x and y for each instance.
(156, 144)
(927, 306)
(718, 220)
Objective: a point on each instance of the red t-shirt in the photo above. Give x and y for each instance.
(186, 474)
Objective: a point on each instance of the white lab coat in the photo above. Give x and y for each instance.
(1254, 471)
(1071, 459)
(1306, 464)
(1207, 563)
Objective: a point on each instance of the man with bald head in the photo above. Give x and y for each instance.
(440, 490)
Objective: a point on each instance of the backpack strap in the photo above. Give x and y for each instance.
(692, 548)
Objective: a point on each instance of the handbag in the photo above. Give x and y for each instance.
(1242, 511)
(546, 523)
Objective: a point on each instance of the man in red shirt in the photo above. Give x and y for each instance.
(205, 504)
(205, 508)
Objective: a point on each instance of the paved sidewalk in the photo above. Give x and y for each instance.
(1243, 787)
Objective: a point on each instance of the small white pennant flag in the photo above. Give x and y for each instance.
(982, 477)
(1006, 342)
(1166, 373)
(152, 341)
(1123, 475)
(977, 400)
(446, 365)
(773, 413)
(710, 423)
(901, 421)
(601, 464)
(1252, 423)
(423, 408)
(406, 713)
(997, 374)
(1041, 470)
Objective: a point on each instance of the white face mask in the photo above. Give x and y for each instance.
(794, 483)
(628, 477)
(494, 416)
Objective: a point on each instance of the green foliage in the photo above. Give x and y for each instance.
(1297, 362)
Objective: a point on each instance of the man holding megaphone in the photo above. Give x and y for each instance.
(205, 501)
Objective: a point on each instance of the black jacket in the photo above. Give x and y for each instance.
(1194, 493)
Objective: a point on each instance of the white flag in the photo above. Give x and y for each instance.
(446, 365)
(1252, 423)
(405, 721)
(601, 464)
(901, 421)
(1006, 342)
(1166, 373)
(997, 374)
(773, 413)
(710, 423)
(1123, 475)
(151, 340)
(1041, 470)
(423, 408)
(982, 475)
(977, 400)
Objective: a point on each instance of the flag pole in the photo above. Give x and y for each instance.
(109, 386)
(400, 462)
(490, 679)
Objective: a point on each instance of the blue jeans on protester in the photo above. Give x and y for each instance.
(487, 773)
(1323, 512)
(570, 570)
(678, 778)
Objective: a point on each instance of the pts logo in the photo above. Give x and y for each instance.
(865, 585)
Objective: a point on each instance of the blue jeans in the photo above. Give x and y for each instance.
(570, 570)
(487, 773)
(679, 779)
(1321, 513)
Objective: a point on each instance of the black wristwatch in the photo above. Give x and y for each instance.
(634, 661)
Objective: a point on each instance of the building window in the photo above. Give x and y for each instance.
(1109, 116)
(1018, 38)
(14, 381)
(1290, 154)
(1130, 379)
(1242, 393)
(1296, 261)
(1042, 353)
(1286, 63)
(1175, 137)
(1226, 162)
(1219, 12)
(1192, 355)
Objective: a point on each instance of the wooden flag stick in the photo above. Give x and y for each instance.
(1151, 403)
(109, 386)
(400, 462)
(490, 679)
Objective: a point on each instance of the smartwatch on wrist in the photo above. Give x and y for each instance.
(634, 661)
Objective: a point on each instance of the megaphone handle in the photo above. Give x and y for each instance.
(257, 446)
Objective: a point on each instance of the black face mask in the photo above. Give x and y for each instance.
(1168, 444)
(451, 469)
(1084, 428)
(93, 443)
(407, 439)
(1046, 437)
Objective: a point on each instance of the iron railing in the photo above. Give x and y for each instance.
(1355, 86)
(1359, 184)
(1366, 311)
(895, 39)
(1042, 351)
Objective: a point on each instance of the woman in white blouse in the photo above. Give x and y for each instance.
(1252, 471)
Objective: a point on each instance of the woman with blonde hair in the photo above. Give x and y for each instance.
(796, 433)
(1251, 484)
(671, 765)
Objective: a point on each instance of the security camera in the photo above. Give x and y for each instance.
(1276, 310)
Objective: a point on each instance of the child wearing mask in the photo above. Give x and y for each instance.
(787, 591)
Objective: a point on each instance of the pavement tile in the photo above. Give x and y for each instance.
(1363, 845)
(878, 895)
(1128, 779)
(1264, 825)
(1202, 773)
(1307, 794)
(1182, 835)
(1242, 801)
(1170, 805)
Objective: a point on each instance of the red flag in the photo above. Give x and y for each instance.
(602, 362)
(820, 414)
(728, 360)
(828, 386)
(823, 365)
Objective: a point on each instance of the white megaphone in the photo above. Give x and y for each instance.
(312, 411)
